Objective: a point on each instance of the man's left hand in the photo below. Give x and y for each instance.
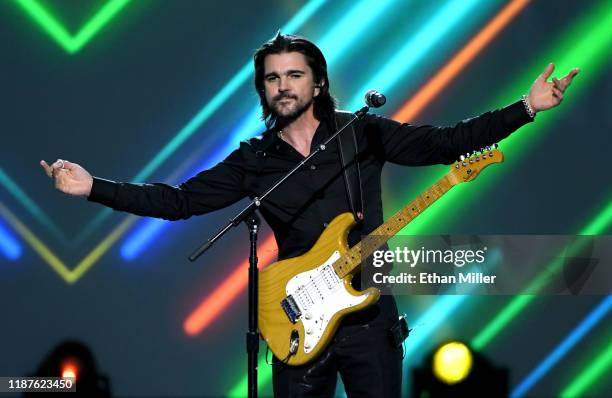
(544, 95)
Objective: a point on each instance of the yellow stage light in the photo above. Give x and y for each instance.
(452, 362)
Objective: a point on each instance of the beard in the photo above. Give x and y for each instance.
(285, 114)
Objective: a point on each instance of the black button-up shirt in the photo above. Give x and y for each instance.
(300, 210)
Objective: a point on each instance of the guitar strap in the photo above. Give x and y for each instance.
(348, 153)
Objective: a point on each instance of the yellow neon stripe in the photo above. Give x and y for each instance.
(102, 247)
(56, 264)
(70, 276)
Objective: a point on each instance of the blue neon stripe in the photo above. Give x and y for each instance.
(334, 44)
(243, 75)
(147, 231)
(336, 41)
(30, 205)
(9, 245)
(449, 17)
(562, 349)
(230, 88)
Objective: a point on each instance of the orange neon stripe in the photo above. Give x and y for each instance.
(212, 306)
(222, 296)
(459, 61)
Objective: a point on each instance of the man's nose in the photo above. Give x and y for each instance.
(283, 84)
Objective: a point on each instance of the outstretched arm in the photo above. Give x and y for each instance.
(425, 145)
(209, 190)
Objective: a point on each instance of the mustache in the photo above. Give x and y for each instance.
(284, 96)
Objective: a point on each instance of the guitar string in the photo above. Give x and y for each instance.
(312, 288)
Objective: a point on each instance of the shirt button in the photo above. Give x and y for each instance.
(313, 167)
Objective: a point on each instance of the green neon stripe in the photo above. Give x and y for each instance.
(95, 24)
(601, 364)
(590, 53)
(47, 22)
(196, 122)
(600, 222)
(501, 320)
(59, 33)
(598, 225)
(264, 376)
(30, 206)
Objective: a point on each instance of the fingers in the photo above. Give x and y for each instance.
(68, 165)
(557, 93)
(557, 83)
(571, 74)
(53, 170)
(59, 164)
(48, 169)
(567, 79)
(547, 72)
(564, 83)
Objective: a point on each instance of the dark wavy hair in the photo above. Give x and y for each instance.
(324, 103)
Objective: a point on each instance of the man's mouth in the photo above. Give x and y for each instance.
(285, 99)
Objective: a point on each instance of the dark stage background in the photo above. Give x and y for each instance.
(151, 90)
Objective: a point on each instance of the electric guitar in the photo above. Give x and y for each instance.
(303, 299)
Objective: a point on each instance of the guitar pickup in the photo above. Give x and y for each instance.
(291, 308)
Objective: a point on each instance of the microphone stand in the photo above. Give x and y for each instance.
(249, 216)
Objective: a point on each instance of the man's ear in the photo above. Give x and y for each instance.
(318, 88)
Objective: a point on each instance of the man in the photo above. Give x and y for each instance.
(292, 83)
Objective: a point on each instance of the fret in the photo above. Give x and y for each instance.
(353, 258)
(427, 198)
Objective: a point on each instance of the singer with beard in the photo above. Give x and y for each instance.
(292, 83)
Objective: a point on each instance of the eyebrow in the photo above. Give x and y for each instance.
(289, 72)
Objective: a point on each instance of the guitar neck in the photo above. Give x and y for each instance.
(352, 260)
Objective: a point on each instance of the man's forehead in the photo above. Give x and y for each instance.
(279, 63)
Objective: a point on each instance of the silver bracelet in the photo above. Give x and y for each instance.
(528, 107)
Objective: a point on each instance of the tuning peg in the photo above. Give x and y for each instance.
(495, 145)
(461, 158)
(488, 148)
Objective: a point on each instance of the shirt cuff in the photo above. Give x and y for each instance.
(103, 191)
(515, 115)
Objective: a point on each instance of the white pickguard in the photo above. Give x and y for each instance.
(320, 294)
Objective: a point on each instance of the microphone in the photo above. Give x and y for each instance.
(374, 99)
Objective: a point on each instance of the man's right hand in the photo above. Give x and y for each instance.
(69, 178)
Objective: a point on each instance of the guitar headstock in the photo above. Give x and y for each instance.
(470, 165)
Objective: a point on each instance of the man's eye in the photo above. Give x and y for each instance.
(271, 78)
(296, 75)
